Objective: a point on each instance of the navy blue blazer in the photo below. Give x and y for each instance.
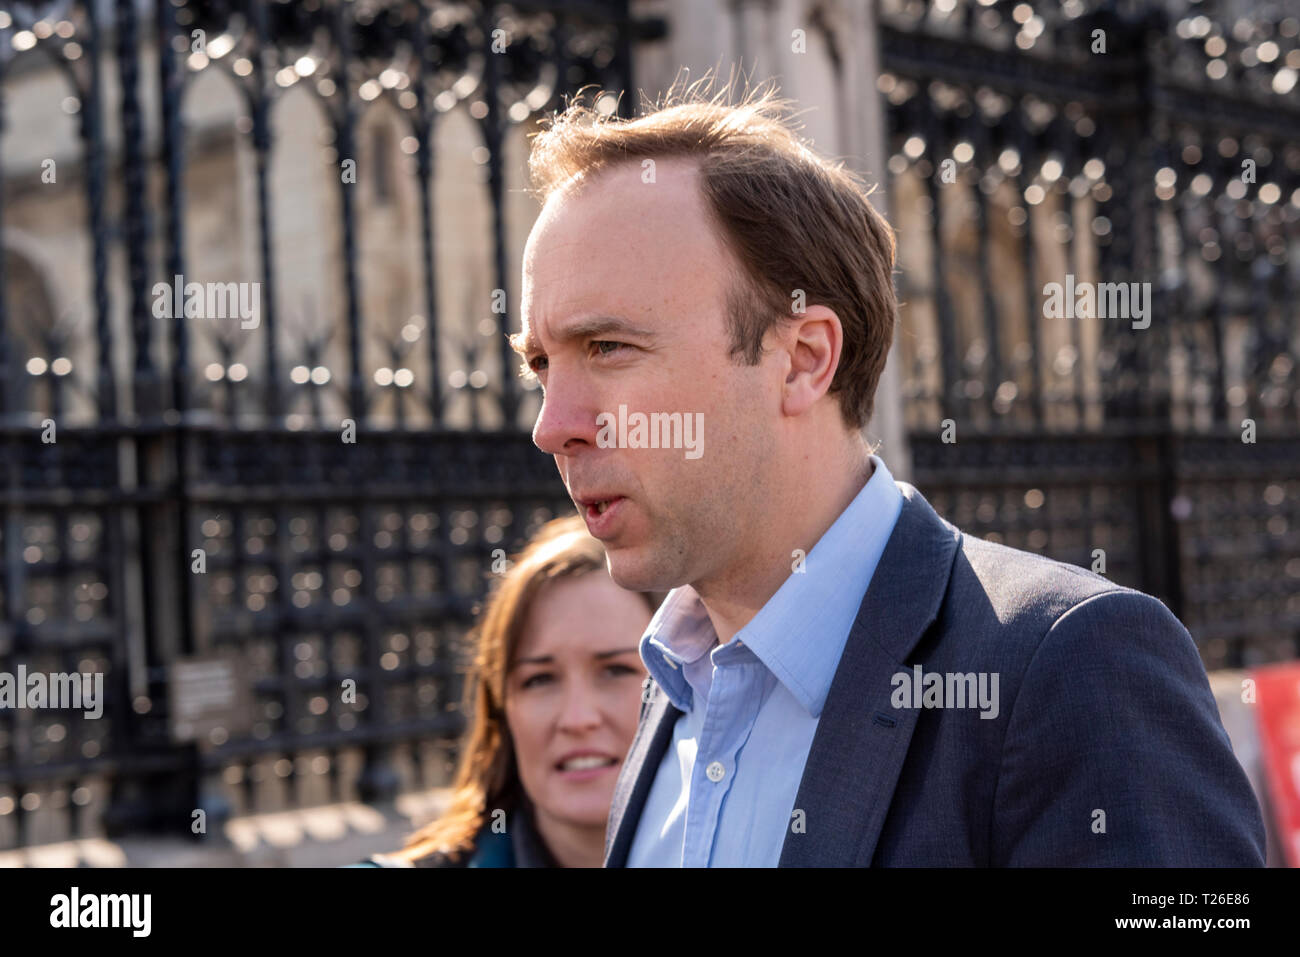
(1107, 749)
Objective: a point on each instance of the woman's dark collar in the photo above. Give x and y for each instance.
(530, 850)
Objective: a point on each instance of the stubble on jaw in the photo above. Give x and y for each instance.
(715, 531)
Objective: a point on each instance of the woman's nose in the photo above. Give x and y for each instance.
(580, 710)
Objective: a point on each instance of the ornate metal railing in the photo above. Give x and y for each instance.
(1086, 142)
(199, 497)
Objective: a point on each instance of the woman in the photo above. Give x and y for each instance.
(555, 691)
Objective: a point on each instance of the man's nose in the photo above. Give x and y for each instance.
(565, 421)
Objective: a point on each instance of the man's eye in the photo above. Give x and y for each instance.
(598, 343)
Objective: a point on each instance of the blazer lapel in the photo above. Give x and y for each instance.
(637, 775)
(861, 741)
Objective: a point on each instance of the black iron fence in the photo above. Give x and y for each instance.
(172, 490)
(220, 508)
(1090, 142)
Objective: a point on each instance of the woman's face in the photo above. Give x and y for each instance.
(574, 693)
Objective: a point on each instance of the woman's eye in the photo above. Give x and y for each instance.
(619, 671)
(539, 361)
(534, 680)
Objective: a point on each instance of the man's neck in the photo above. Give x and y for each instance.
(733, 601)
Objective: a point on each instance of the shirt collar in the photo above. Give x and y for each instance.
(679, 633)
(799, 634)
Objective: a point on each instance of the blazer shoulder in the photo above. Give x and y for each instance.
(1023, 588)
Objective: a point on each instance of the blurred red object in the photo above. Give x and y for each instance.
(1277, 688)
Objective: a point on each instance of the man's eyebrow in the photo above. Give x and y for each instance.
(524, 342)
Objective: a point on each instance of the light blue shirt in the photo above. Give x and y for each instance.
(724, 794)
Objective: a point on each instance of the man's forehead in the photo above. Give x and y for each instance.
(623, 196)
(611, 242)
(678, 172)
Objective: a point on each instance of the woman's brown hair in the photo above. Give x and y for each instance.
(487, 778)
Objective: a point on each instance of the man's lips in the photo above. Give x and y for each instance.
(603, 514)
(601, 507)
(596, 503)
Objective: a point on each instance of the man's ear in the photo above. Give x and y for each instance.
(813, 341)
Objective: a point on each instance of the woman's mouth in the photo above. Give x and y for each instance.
(586, 766)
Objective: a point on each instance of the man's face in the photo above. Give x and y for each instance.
(624, 303)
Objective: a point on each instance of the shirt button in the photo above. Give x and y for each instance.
(715, 771)
(671, 664)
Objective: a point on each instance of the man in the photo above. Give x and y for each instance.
(839, 676)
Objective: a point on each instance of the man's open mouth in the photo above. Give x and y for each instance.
(599, 506)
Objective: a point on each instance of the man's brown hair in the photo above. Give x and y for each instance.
(794, 220)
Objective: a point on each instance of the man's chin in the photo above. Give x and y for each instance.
(630, 571)
(627, 577)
